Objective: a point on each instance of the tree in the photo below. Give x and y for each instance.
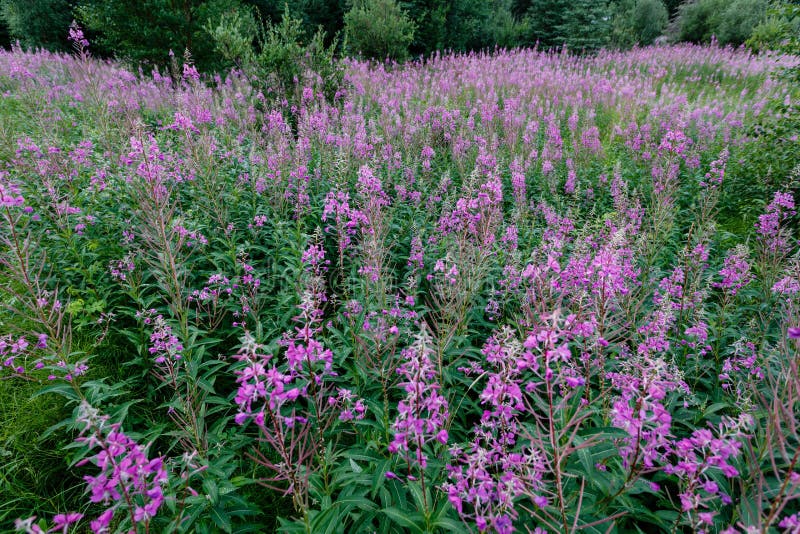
(648, 20)
(5, 36)
(379, 29)
(586, 25)
(547, 19)
(325, 14)
(739, 20)
(504, 28)
(38, 23)
(146, 30)
(698, 19)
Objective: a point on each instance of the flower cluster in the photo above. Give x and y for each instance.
(423, 412)
(735, 272)
(642, 411)
(769, 226)
(696, 461)
(127, 478)
(489, 474)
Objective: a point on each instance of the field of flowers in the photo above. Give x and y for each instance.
(508, 292)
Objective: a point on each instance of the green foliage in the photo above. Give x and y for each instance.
(731, 24)
(289, 63)
(325, 14)
(431, 25)
(637, 22)
(461, 25)
(585, 25)
(581, 25)
(37, 23)
(699, 19)
(648, 20)
(5, 36)
(740, 19)
(145, 31)
(780, 29)
(233, 35)
(505, 29)
(546, 19)
(278, 55)
(378, 29)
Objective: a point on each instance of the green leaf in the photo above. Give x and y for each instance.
(221, 519)
(65, 390)
(401, 518)
(449, 524)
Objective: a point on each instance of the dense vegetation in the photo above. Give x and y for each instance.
(487, 291)
(144, 32)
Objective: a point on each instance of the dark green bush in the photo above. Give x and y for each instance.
(379, 29)
(146, 30)
(637, 22)
(648, 19)
(732, 24)
(699, 19)
(739, 20)
(504, 29)
(779, 30)
(37, 23)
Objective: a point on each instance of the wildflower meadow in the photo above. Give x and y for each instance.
(501, 291)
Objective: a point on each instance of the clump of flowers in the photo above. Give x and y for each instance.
(129, 484)
(422, 414)
(771, 230)
(641, 409)
(698, 459)
(735, 272)
(489, 474)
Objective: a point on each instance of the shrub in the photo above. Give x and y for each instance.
(649, 18)
(233, 34)
(145, 31)
(739, 20)
(504, 29)
(585, 26)
(37, 23)
(699, 19)
(732, 24)
(379, 29)
(637, 22)
(779, 30)
(278, 55)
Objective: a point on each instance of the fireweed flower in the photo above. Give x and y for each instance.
(263, 389)
(165, 344)
(698, 458)
(735, 272)
(769, 227)
(347, 220)
(352, 408)
(714, 177)
(126, 478)
(492, 472)
(10, 193)
(422, 414)
(76, 36)
(644, 385)
(741, 368)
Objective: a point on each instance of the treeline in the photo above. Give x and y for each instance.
(217, 32)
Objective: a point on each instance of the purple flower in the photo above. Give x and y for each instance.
(423, 412)
(736, 271)
(63, 521)
(126, 473)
